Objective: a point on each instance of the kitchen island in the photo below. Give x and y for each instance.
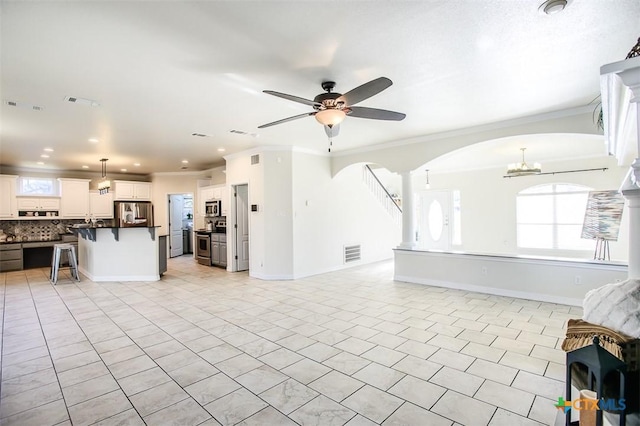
(120, 254)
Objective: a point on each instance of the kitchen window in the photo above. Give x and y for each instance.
(37, 186)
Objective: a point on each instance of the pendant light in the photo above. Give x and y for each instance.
(104, 184)
(522, 168)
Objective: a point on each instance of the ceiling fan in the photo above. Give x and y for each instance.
(331, 108)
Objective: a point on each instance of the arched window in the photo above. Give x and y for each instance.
(550, 217)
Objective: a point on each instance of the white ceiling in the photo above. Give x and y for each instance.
(164, 70)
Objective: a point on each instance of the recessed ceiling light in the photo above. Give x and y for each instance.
(123, 170)
(136, 164)
(221, 150)
(551, 7)
(85, 167)
(185, 161)
(44, 156)
(40, 163)
(48, 149)
(94, 140)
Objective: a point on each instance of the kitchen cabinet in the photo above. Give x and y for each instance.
(101, 205)
(10, 257)
(224, 196)
(126, 190)
(213, 192)
(205, 193)
(39, 204)
(162, 254)
(74, 201)
(8, 206)
(219, 249)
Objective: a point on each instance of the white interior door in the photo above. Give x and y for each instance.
(176, 206)
(242, 223)
(435, 215)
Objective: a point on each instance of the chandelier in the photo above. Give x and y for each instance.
(522, 168)
(104, 184)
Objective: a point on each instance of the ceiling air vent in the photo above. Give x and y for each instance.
(255, 159)
(200, 135)
(82, 101)
(242, 132)
(351, 253)
(23, 105)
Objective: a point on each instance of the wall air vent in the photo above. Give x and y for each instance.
(23, 105)
(82, 101)
(351, 253)
(255, 159)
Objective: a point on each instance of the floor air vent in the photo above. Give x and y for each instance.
(351, 253)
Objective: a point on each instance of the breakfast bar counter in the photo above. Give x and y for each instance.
(119, 254)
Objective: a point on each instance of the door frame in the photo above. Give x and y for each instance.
(231, 224)
(168, 221)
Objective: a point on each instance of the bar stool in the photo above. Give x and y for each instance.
(56, 261)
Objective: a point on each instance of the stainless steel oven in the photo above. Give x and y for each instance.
(203, 247)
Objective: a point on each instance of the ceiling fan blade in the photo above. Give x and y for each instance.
(292, 98)
(376, 114)
(284, 120)
(332, 131)
(365, 91)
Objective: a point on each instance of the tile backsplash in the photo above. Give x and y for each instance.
(37, 230)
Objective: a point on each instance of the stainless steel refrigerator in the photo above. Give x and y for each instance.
(130, 213)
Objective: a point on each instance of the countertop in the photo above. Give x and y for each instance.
(112, 227)
(69, 239)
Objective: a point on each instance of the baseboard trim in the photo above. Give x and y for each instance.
(540, 297)
(116, 278)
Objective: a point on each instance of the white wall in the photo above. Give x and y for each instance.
(535, 279)
(240, 171)
(277, 213)
(489, 204)
(330, 213)
(164, 184)
(304, 216)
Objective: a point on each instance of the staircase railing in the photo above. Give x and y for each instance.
(382, 195)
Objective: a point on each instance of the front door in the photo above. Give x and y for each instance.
(242, 223)
(435, 213)
(176, 206)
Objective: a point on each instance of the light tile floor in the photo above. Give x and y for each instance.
(206, 347)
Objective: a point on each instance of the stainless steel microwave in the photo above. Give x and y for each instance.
(213, 208)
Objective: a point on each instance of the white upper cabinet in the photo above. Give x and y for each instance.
(101, 205)
(38, 203)
(74, 201)
(205, 193)
(125, 190)
(224, 196)
(8, 206)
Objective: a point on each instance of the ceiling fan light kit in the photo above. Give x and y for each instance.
(551, 7)
(332, 108)
(330, 117)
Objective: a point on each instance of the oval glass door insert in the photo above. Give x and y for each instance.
(436, 220)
